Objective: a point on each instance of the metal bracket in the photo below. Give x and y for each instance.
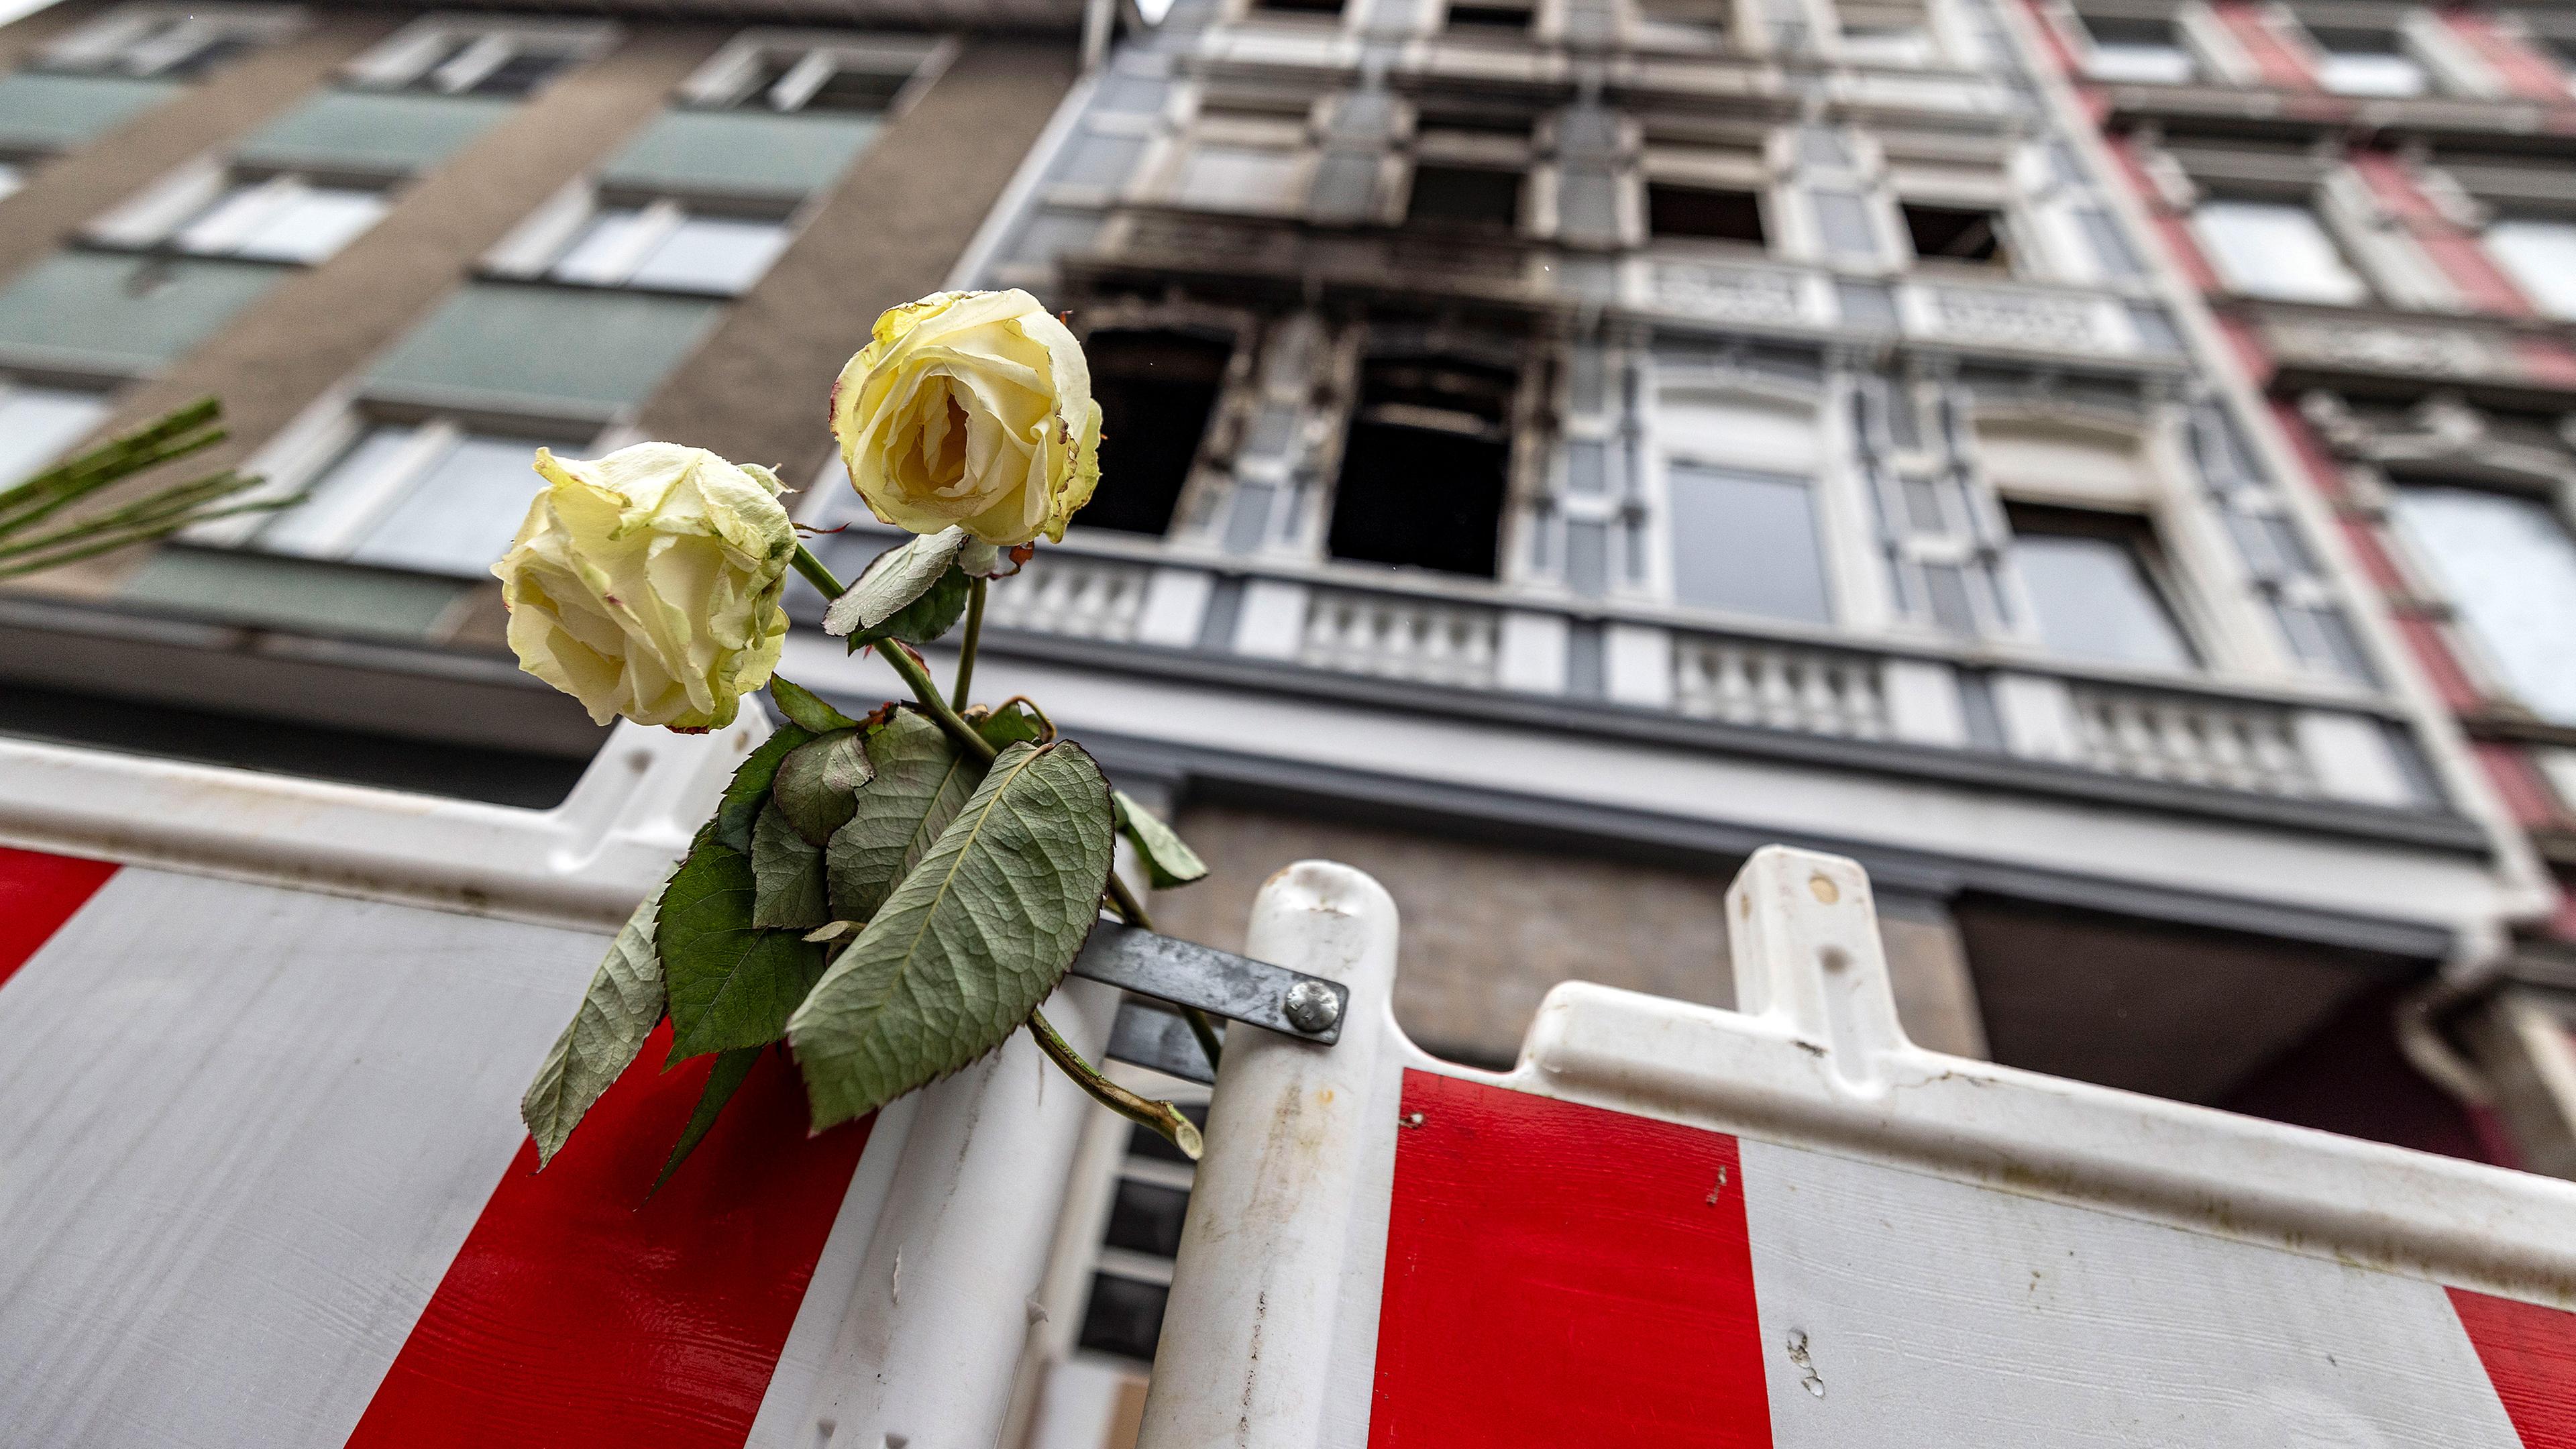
(1219, 983)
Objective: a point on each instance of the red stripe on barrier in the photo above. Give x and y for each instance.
(39, 892)
(2530, 1356)
(573, 1315)
(1559, 1274)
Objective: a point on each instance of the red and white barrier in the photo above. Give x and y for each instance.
(1673, 1225)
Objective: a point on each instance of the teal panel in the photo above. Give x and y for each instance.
(123, 313)
(374, 131)
(49, 112)
(583, 352)
(742, 151)
(293, 593)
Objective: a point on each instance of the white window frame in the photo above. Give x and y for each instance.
(725, 81)
(153, 218)
(2422, 575)
(150, 39)
(1247, 127)
(304, 452)
(533, 248)
(424, 53)
(15, 378)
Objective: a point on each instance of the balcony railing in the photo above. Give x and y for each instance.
(2323, 747)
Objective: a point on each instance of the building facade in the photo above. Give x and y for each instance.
(1555, 447)
(2375, 204)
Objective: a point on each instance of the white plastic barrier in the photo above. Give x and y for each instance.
(262, 1179)
(1788, 1225)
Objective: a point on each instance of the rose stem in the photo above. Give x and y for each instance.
(1163, 1117)
(966, 646)
(926, 690)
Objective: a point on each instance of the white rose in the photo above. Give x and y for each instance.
(646, 584)
(973, 410)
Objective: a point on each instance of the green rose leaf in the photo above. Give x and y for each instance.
(807, 708)
(731, 983)
(1013, 721)
(926, 618)
(787, 876)
(607, 1030)
(1169, 862)
(892, 581)
(817, 781)
(748, 792)
(971, 941)
(727, 1077)
(922, 781)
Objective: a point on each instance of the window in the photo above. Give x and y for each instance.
(1499, 16)
(1703, 213)
(173, 42)
(2137, 50)
(451, 56)
(37, 423)
(2362, 63)
(1331, 8)
(1473, 197)
(1955, 233)
(434, 496)
(1746, 542)
(2092, 579)
(2541, 256)
(814, 72)
(2507, 564)
(1425, 466)
(283, 218)
(1157, 391)
(2275, 249)
(13, 177)
(1124, 1312)
(1244, 160)
(1886, 32)
(665, 246)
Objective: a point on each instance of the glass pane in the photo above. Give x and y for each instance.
(219, 228)
(2507, 564)
(13, 178)
(1746, 542)
(1239, 178)
(2273, 249)
(341, 498)
(2095, 600)
(38, 423)
(2541, 255)
(462, 511)
(2370, 73)
(712, 254)
(2132, 60)
(604, 251)
(1146, 1217)
(313, 225)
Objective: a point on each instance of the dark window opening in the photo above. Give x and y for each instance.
(1488, 16)
(1693, 211)
(1464, 196)
(1955, 233)
(1157, 391)
(1425, 467)
(1124, 1317)
(1301, 7)
(517, 76)
(1146, 1218)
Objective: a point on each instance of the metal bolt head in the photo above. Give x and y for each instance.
(1312, 1006)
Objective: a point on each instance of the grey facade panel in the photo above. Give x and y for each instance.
(742, 151)
(366, 131)
(48, 112)
(546, 347)
(118, 313)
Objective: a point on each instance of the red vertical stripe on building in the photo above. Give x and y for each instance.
(579, 1313)
(2460, 255)
(2279, 65)
(39, 892)
(1563, 1275)
(2526, 74)
(2530, 1355)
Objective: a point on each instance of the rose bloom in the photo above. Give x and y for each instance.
(973, 410)
(646, 584)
